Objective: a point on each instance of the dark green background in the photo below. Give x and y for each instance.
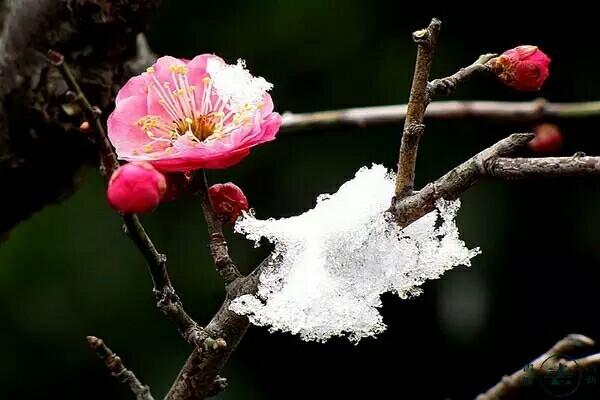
(69, 271)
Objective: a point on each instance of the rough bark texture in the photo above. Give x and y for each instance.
(196, 379)
(115, 366)
(41, 148)
(417, 104)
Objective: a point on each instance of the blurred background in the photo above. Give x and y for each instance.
(69, 271)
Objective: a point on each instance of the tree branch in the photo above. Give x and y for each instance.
(40, 141)
(440, 110)
(197, 378)
(511, 384)
(444, 86)
(417, 103)
(459, 179)
(218, 246)
(167, 300)
(548, 167)
(491, 163)
(115, 366)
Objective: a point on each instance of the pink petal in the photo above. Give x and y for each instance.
(123, 132)
(268, 106)
(192, 161)
(134, 87)
(271, 126)
(161, 68)
(197, 66)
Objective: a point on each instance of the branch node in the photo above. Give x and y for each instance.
(416, 129)
(539, 106)
(211, 344)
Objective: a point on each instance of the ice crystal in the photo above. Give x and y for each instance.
(236, 85)
(334, 261)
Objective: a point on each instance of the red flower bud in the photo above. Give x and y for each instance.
(548, 139)
(136, 188)
(228, 200)
(521, 68)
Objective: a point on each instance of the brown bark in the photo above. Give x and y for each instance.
(41, 149)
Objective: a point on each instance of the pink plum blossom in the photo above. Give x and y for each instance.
(136, 188)
(184, 115)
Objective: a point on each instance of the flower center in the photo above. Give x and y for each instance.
(223, 104)
(201, 127)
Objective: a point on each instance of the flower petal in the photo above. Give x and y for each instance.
(123, 132)
(135, 86)
(195, 158)
(197, 66)
(267, 107)
(162, 65)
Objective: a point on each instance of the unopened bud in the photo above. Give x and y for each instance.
(136, 188)
(548, 139)
(228, 200)
(522, 68)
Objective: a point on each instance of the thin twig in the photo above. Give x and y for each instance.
(108, 159)
(456, 181)
(417, 103)
(167, 300)
(115, 366)
(530, 111)
(444, 86)
(492, 162)
(510, 384)
(547, 167)
(218, 246)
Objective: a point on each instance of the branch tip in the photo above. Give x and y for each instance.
(116, 368)
(510, 384)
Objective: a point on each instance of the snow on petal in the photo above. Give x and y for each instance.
(236, 85)
(191, 114)
(335, 261)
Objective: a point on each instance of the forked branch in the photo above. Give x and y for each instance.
(511, 384)
(167, 300)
